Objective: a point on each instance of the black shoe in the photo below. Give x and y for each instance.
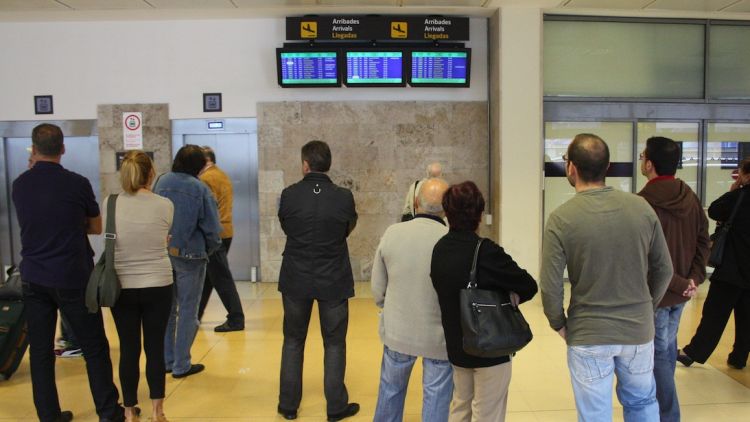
(65, 416)
(736, 364)
(351, 410)
(120, 417)
(227, 327)
(287, 414)
(683, 358)
(194, 369)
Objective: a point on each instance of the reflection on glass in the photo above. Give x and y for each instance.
(558, 135)
(727, 143)
(686, 133)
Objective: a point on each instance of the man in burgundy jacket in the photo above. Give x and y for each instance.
(686, 229)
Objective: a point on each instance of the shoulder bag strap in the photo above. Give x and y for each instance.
(110, 231)
(473, 272)
(414, 200)
(734, 210)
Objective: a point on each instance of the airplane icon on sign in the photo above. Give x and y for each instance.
(399, 29)
(308, 29)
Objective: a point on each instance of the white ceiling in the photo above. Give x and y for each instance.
(30, 5)
(468, 7)
(661, 5)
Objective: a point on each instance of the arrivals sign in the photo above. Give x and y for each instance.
(381, 28)
(132, 130)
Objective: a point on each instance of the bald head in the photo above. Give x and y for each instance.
(430, 197)
(590, 156)
(434, 170)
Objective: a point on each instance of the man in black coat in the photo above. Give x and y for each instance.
(317, 216)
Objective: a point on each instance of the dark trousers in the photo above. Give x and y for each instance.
(219, 277)
(721, 300)
(334, 320)
(40, 308)
(147, 309)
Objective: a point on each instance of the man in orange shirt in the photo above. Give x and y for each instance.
(218, 275)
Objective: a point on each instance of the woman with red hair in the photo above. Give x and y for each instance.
(480, 384)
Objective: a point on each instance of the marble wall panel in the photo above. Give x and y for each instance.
(157, 137)
(379, 149)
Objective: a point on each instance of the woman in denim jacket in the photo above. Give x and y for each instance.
(194, 235)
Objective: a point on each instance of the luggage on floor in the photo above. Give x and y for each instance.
(11, 288)
(13, 337)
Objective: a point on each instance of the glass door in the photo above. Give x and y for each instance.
(727, 144)
(687, 134)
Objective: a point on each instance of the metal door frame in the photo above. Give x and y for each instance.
(245, 125)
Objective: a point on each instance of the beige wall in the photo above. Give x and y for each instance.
(379, 149)
(520, 128)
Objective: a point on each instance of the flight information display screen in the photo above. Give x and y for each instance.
(375, 68)
(308, 68)
(440, 68)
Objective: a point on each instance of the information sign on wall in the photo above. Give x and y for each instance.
(132, 130)
(365, 28)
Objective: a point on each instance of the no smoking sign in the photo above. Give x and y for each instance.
(132, 130)
(133, 122)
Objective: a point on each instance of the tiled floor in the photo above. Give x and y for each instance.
(241, 378)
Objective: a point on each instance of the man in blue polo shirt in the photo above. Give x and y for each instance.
(56, 209)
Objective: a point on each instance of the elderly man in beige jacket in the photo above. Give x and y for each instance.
(410, 324)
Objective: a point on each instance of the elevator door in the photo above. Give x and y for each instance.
(79, 151)
(236, 152)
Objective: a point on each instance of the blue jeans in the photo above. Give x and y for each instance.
(183, 319)
(437, 384)
(591, 371)
(666, 322)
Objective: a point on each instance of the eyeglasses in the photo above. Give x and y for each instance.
(565, 157)
(641, 156)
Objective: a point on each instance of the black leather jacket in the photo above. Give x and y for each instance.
(735, 267)
(317, 216)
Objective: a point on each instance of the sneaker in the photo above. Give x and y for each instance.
(70, 352)
(350, 410)
(61, 343)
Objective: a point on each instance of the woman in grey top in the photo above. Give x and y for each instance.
(143, 220)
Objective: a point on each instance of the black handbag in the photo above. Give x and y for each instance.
(491, 325)
(719, 238)
(104, 286)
